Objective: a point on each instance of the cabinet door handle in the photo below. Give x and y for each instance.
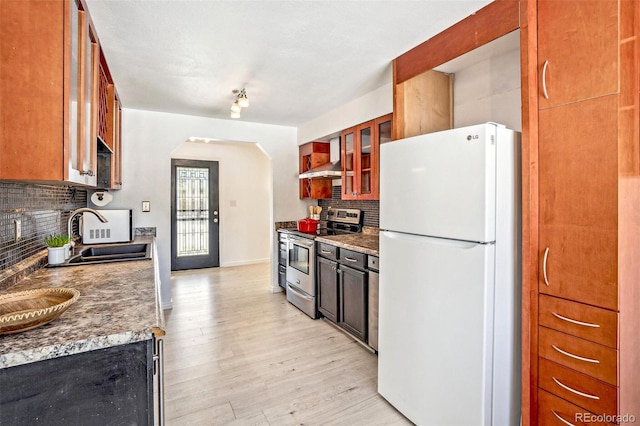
(544, 266)
(562, 385)
(544, 79)
(325, 251)
(561, 419)
(585, 324)
(580, 358)
(349, 259)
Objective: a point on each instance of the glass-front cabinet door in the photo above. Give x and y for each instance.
(361, 158)
(366, 158)
(348, 163)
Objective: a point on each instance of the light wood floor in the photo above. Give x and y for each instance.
(237, 354)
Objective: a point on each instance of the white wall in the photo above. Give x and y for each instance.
(372, 105)
(148, 141)
(244, 182)
(489, 91)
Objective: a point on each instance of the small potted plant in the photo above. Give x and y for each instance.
(58, 247)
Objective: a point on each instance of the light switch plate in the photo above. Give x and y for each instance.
(146, 206)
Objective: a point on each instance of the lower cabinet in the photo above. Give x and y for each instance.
(105, 386)
(282, 260)
(374, 292)
(353, 297)
(328, 289)
(343, 291)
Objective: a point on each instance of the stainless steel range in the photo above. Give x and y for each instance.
(301, 260)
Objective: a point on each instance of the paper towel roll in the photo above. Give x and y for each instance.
(101, 198)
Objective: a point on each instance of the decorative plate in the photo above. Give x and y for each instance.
(24, 310)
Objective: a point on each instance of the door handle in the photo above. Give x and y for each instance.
(584, 324)
(577, 392)
(215, 220)
(579, 358)
(215, 212)
(561, 419)
(544, 266)
(544, 79)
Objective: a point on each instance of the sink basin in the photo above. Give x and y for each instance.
(110, 253)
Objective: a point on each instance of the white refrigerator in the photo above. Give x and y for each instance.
(450, 277)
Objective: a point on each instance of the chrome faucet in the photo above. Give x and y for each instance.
(82, 210)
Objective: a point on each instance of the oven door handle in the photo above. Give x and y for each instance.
(298, 292)
(303, 242)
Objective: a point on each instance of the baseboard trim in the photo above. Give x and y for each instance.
(244, 262)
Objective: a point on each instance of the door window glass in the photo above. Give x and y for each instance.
(192, 213)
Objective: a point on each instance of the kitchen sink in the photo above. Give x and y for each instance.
(110, 253)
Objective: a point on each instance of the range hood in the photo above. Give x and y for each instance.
(330, 170)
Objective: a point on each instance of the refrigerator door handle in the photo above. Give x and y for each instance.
(436, 240)
(544, 266)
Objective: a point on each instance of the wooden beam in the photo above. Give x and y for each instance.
(498, 18)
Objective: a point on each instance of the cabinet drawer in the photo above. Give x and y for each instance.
(586, 357)
(328, 251)
(554, 411)
(353, 258)
(588, 322)
(582, 390)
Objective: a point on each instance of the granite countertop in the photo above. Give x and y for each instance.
(362, 242)
(119, 303)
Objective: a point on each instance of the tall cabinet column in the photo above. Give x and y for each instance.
(587, 314)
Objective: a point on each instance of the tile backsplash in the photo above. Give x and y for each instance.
(370, 208)
(41, 209)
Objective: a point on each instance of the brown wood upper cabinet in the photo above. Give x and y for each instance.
(360, 157)
(107, 115)
(577, 50)
(423, 104)
(312, 155)
(48, 92)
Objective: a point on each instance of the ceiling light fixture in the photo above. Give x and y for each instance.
(242, 101)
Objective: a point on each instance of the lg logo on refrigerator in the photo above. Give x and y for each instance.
(472, 137)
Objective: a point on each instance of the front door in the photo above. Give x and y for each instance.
(194, 214)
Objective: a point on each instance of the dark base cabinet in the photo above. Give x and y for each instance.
(353, 296)
(282, 260)
(343, 290)
(112, 386)
(282, 276)
(328, 289)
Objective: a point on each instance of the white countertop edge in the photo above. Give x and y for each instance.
(70, 348)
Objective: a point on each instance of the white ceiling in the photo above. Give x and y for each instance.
(296, 59)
